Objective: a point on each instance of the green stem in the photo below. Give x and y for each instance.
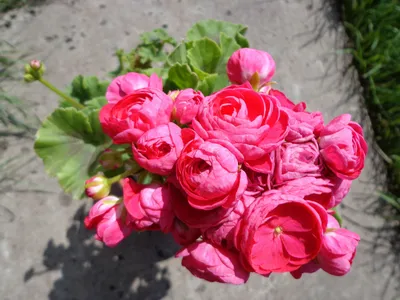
(119, 177)
(51, 87)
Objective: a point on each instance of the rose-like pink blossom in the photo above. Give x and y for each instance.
(108, 216)
(210, 175)
(186, 105)
(338, 251)
(136, 113)
(343, 147)
(327, 191)
(223, 234)
(158, 149)
(252, 122)
(258, 182)
(124, 85)
(297, 160)
(213, 263)
(303, 125)
(289, 227)
(148, 206)
(246, 62)
(183, 234)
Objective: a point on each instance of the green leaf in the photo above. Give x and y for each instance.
(157, 36)
(151, 49)
(161, 72)
(178, 55)
(182, 77)
(213, 83)
(96, 103)
(242, 41)
(212, 29)
(228, 46)
(69, 143)
(86, 88)
(204, 56)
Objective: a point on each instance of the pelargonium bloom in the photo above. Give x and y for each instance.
(186, 105)
(251, 65)
(213, 263)
(258, 182)
(136, 113)
(223, 234)
(297, 160)
(338, 249)
(148, 206)
(158, 149)
(327, 191)
(126, 84)
(336, 254)
(253, 122)
(108, 216)
(289, 227)
(183, 234)
(343, 147)
(209, 173)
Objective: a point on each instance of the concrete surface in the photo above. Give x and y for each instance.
(46, 253)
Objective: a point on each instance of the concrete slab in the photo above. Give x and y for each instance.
(45, 252)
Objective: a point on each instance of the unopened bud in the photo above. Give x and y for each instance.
(35, 64)
(29, 78)
(34, 70)
(133, 166)
(97, 187)
(110, 159)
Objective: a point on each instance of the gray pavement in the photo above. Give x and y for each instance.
(46, 253)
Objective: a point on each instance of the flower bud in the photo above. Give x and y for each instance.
(251, 65)
(133, 166)
(110, 159)
(97, 187)
(29, 78)
(35, 64)
(34, 70)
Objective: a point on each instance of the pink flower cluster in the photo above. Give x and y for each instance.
(248, 178)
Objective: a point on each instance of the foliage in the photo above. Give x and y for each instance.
(6, 5)
(70, 140)
(374, 29)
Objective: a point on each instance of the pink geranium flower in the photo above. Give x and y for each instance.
(108, 217)
(158, 149)
(343, 147)
(250, 65)
(286, 225)
(213, 263)
(124, 85)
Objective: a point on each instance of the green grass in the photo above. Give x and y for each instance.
(373, 27)
(6, 5)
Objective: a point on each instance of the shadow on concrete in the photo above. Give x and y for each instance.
(90, 271)
(383, 245)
